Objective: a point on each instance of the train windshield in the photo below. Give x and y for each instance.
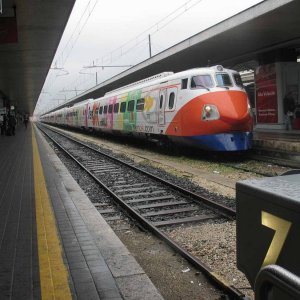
(201, 81)
(238, 80)
(223, 79)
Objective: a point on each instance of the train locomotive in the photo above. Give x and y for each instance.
(206, 108)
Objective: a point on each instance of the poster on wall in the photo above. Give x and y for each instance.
(266, 94)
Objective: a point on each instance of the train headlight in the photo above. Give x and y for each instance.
(208, 109)
(210, 112)
(250, 111)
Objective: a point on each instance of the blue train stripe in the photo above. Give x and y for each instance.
(221, 142)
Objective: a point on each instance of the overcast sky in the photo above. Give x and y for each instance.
(115, 32)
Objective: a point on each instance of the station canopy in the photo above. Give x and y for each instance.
(30, 32)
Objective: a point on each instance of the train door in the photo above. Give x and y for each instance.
(161, 110)
(170, 105)
(86, 113)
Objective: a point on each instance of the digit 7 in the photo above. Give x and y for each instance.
(281, 228)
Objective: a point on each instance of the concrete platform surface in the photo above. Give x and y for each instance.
(54, 244)
(98, 261)
(280, 140)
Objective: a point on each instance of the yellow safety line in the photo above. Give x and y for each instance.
(53, 272)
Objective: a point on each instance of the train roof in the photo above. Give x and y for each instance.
(153, 80)
(165, 76)
(82, 102)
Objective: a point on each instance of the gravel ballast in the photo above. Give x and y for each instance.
(213, 243)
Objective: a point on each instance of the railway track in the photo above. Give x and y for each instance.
(265, 166)
(244, 161)
(282, 158)
(149, 200)
(249, 166)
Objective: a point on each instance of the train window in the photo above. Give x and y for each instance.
(223, 79)
(123, 107)
(100, 110)
(105, 109)
(161, 101)
(110, 108)
(140, 103)
(201, 81)
(130, 105)
(238, 80)
(184, 83)
(171, 100)
(116, 108)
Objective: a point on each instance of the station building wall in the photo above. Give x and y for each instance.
(272, 82)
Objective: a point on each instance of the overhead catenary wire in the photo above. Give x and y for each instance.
(62, 56)
(162, 23)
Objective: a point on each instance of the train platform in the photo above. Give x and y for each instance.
(53, 242)
(278, 140)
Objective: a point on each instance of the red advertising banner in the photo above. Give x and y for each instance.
(266, 94)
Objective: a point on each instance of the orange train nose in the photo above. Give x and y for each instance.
(232, 107)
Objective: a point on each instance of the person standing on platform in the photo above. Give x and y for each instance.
(288, 108)
(12, 124)
(25, 121)
(4, 125)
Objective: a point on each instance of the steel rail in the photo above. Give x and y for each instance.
(246, 170)
(224, 210)
(233, 292)
(282, 158)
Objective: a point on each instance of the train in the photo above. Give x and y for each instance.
(207, 108)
